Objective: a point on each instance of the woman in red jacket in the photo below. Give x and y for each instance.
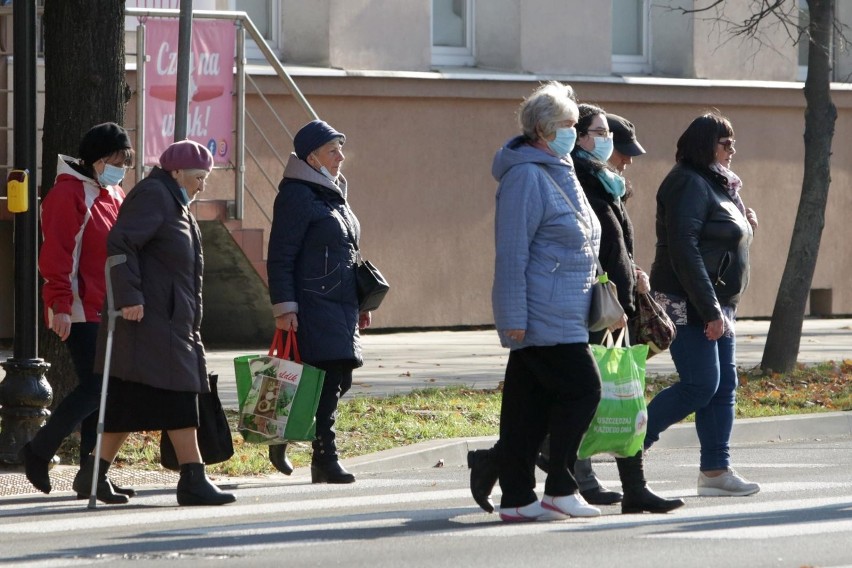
(76, 216)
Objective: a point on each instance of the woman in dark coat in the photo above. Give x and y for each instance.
(158, 364)
(313, 250)
(606, 190)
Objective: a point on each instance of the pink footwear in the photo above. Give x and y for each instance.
(570, 505)
(532, 512)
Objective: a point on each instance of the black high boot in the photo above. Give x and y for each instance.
(105, 492)
(36, 468)
(278, 458)
(194, 488)
(638, 498)
(484, 473)
(325, 467)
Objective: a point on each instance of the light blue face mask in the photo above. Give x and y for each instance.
(112, 175)
(564, 141)
(603, 148)
(184, 196)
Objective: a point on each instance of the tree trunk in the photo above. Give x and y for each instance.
(84, 86)
(785, 330)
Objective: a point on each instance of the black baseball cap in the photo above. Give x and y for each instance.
(624, 135)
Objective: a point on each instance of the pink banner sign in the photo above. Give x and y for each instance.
(211, 82)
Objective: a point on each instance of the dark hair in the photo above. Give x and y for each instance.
(587, 115)
(697, 145)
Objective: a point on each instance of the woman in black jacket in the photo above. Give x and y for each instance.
(606, 191)
(700, 271)
(311, 265)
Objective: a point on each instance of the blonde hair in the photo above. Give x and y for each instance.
(549, 104)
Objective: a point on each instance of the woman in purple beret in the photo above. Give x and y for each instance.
(313, 248)
(158, 364)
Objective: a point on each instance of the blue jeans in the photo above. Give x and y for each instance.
(707, 387)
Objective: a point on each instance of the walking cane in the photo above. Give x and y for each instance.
(112, 314)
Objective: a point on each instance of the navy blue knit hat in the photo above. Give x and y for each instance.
(313, 135)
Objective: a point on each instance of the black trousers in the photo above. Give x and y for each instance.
(81, 404)
(338, 381)
(547, 390)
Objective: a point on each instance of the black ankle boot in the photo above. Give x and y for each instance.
(278, 458)
(194, 488)
(484, 473)
(638, 498)
(36, 468)
(330, 472)
(128, 491)
(591, 487)
(105, 492)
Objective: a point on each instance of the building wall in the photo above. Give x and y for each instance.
(419, 157)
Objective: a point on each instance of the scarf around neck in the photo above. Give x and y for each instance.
(613, 183)
(733, 186)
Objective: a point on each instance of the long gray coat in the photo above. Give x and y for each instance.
(163, 272)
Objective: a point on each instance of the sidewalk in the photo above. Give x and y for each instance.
(401, 362)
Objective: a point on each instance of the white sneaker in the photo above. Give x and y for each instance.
(571, 505)
(729, 484)
(532, 512)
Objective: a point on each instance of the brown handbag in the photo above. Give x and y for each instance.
(653, 326)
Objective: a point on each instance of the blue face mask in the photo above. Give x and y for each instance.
(603, 148)
(184, 196)
(112, 175)
(564, 141)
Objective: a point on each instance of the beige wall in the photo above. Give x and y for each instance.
(419, 156)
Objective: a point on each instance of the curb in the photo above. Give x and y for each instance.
(453, 452)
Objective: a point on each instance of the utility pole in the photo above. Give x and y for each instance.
(183, 69)
(25, 393)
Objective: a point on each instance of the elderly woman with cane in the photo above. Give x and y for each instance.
(159, 367)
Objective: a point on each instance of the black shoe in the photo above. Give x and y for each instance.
(601, 496)
(646, 500)
(330, 472)
(194, 488)
(104, 491)
(543, 464)
(36, 468)
(483, 477)
(129, 491)
(278, 458)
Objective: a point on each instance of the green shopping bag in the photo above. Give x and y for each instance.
(278, 398)
(620, 421)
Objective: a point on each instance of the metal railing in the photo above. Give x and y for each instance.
(244, 24)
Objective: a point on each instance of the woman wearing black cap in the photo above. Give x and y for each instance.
(311, 264)
(606, 190)
(76, 216)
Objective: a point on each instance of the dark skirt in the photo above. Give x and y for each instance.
(134, 407)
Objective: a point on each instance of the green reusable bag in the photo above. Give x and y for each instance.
(621, 419)
(278, 398)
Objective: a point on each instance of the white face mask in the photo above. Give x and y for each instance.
(324, 170)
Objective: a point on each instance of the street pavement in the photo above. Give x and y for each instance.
(401, 362)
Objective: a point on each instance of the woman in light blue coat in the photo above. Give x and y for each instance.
(543, 276)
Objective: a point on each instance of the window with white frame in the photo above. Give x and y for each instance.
(631, 43)
(264, 14)
(452, 32)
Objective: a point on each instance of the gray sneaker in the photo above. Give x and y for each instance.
(729, 484)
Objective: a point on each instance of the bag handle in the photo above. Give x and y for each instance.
(601, 274)
(282, 349)
(622, 339)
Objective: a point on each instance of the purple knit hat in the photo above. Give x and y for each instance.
(186, 155)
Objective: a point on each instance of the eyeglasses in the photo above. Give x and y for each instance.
(729, 145)
(602, 132)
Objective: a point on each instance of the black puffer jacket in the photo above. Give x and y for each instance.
(702, 243)
(616, 254)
